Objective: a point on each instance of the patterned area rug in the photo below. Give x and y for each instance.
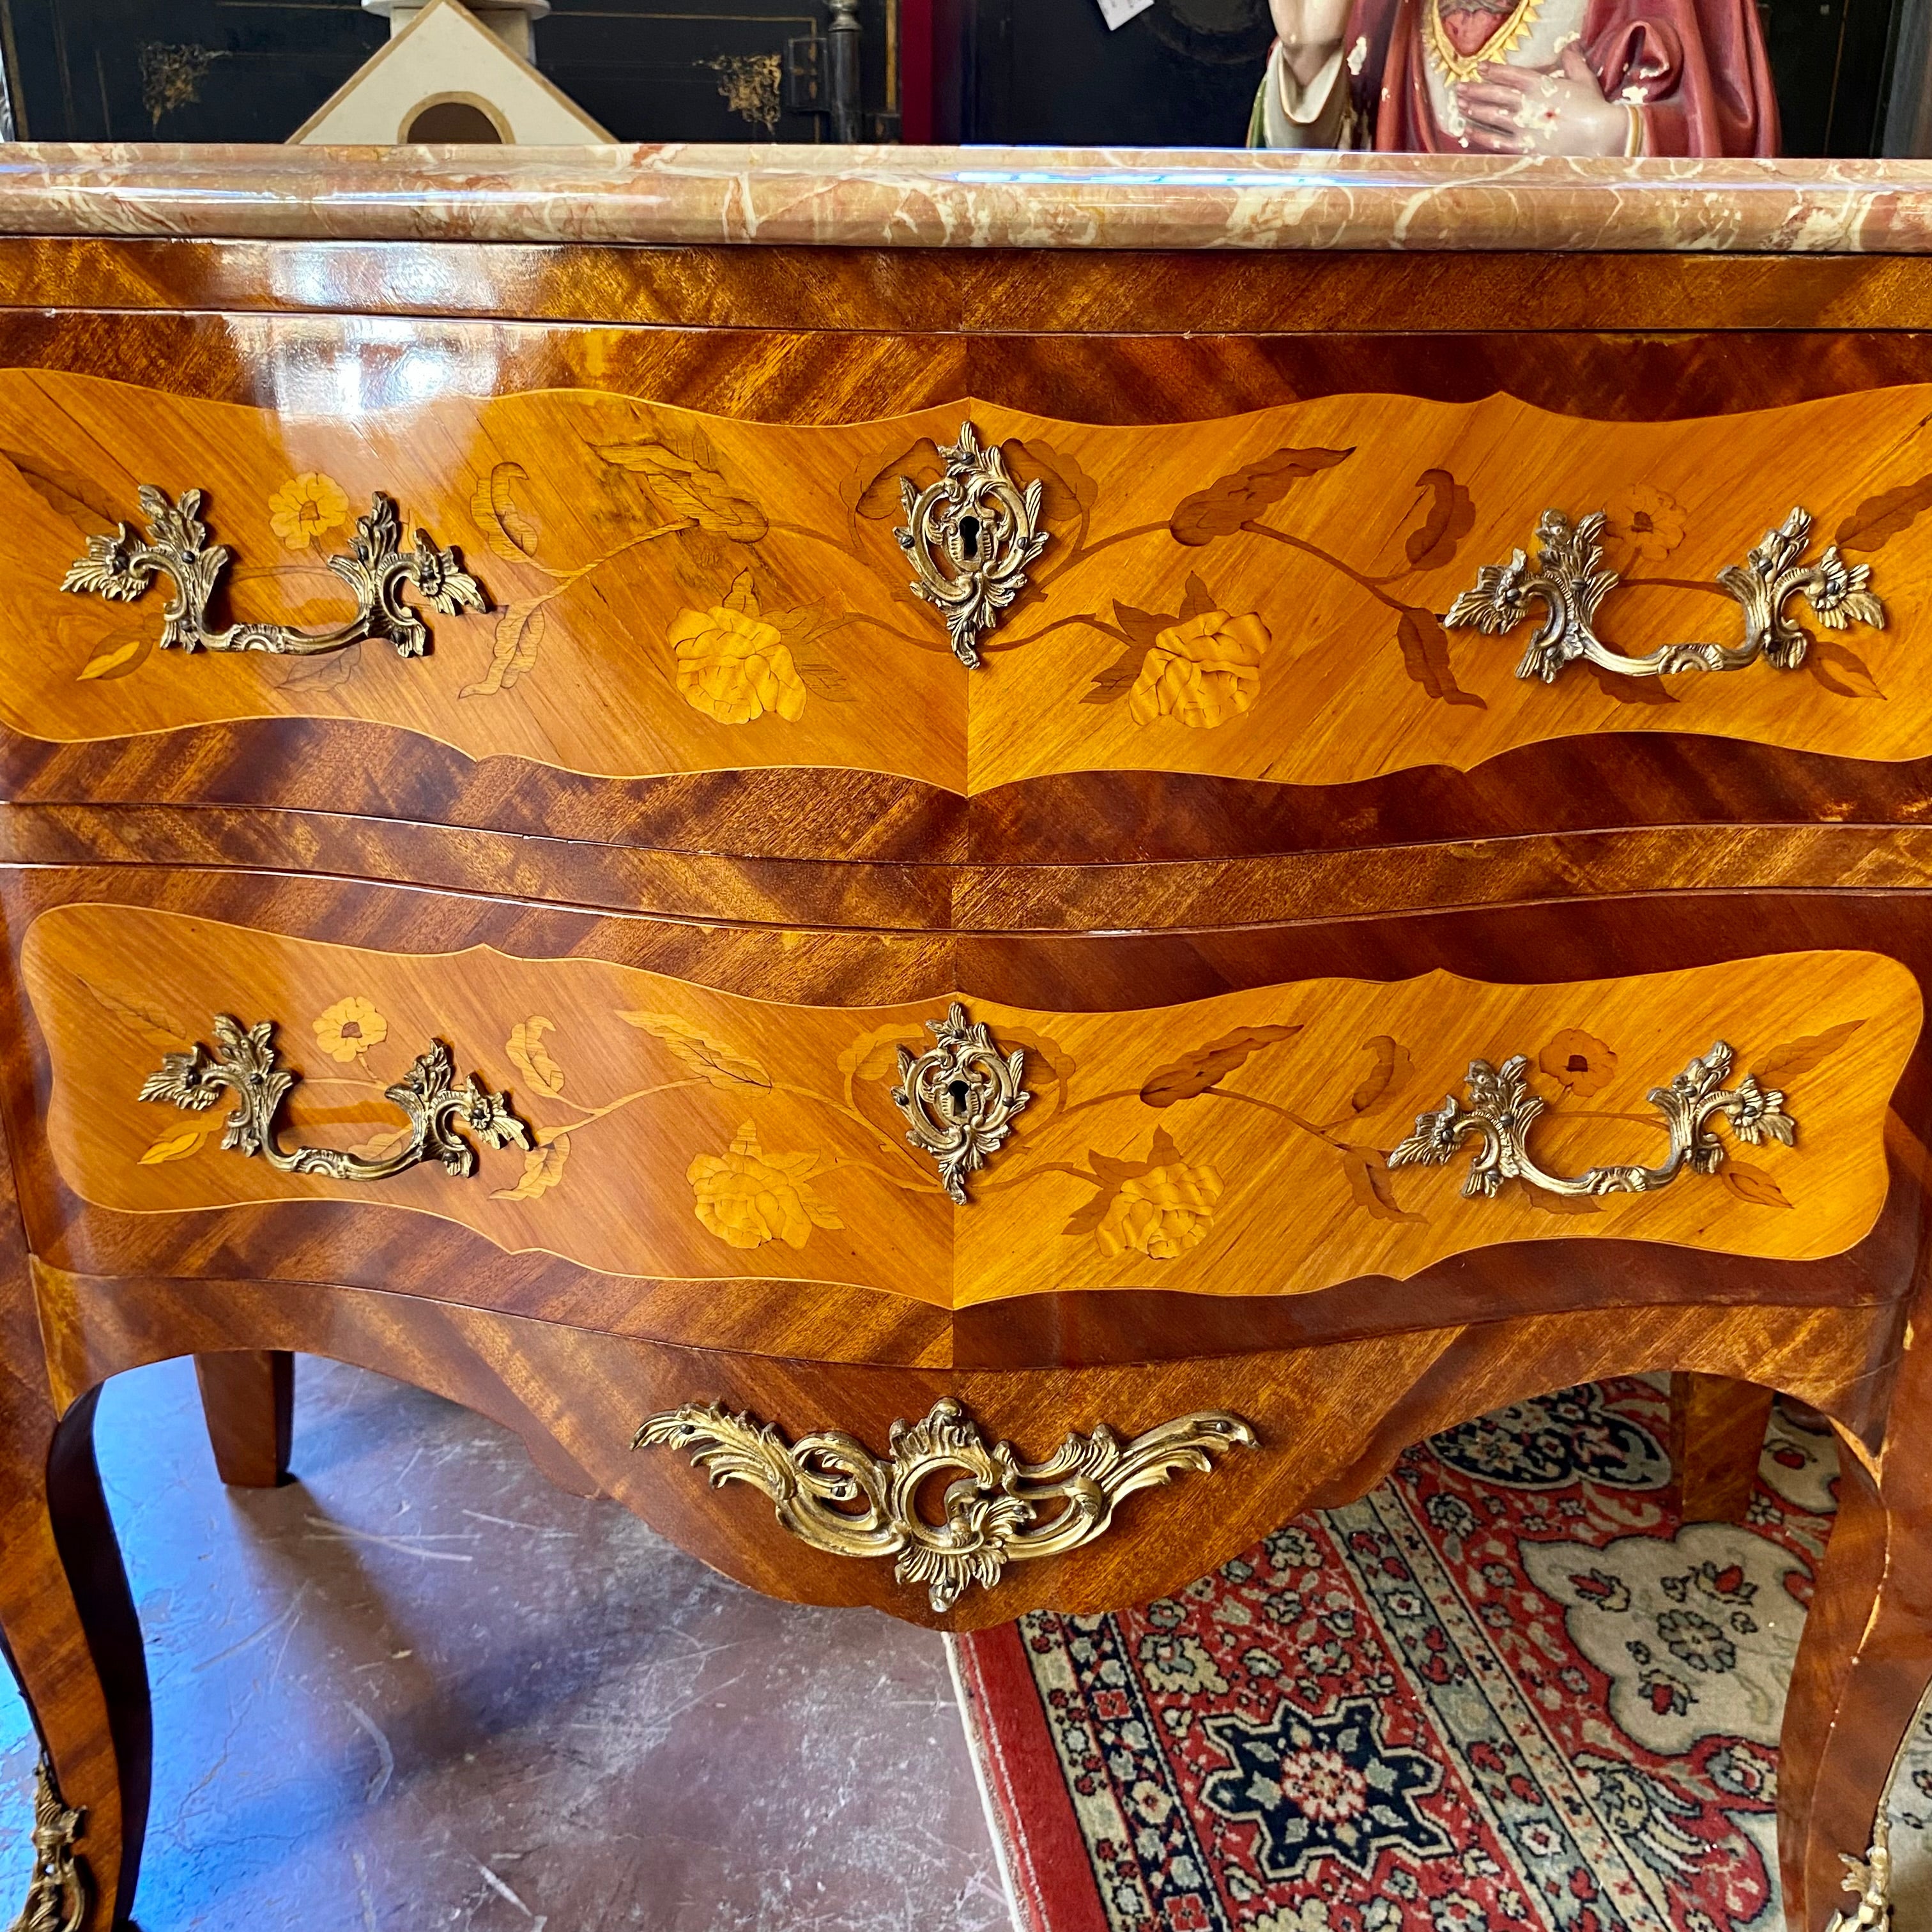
(1510, 1691)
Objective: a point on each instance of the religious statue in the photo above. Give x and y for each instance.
(1518, 77)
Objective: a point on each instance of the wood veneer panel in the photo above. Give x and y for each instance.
(991, 289)
(1331, 1420)
(685, 1134)
(784, 373)
(683, 593)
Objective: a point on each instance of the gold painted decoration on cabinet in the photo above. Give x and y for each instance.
(830, 1491)
(1260, 596)
(1236, 1145)
(1570, 582)
(376, 567)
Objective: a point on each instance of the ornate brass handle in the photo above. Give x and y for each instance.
(1570, 582)
(1500, 1107)
(246, 1064)
(959, 1096)
(832, 1492)
(376, 569)
(970, 536)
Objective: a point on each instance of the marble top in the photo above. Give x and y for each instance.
(967, 197)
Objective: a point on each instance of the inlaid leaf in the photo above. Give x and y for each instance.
(880, 497)
(327, 671)
(520, 633)
(1370, 1182)
(1841, 670)
(1389, 1071)
(743, 596)
(1196, 599)
(1232, 500)
(1753, 1184)
(1116, 678)
(123, 652)
(543, 1168)
(1425, 656)
(1450, 516)
(1626, 689)
(147, 1025)
(1797, 1058)
(511, 531)
(708, 1058)
(1579, 1061)
(533, 1059)
(380, 1147)
(683, 487)
(874, 1056)
(83, 504)
(174, 1147)
(1047, 1063)
(823, 678)
(1067, 489)
(1879, 519)
(1207, 1066)
(1546, 1202)
(1142, 627)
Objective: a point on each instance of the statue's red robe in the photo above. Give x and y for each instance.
(1699, 66)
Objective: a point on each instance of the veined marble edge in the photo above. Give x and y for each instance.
(985, 197)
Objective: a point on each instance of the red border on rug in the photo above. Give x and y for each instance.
(1054, 1887)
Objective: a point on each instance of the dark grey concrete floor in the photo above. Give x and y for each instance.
(418, 1688)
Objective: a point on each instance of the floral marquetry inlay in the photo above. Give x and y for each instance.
(1261, 597)
(1253, 1143)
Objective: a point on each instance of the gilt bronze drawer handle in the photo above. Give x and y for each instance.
(959, 1096)
(1570, 582)
(376, 568)
(832, 1492)
(193, 1082)
(970, 536)
(1500, 1107)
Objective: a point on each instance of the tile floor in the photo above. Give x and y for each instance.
(419, 1688)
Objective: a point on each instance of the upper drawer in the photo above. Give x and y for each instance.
(1257, 598)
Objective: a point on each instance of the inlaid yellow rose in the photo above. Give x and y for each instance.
(1161, 1213)
(1202, 671)
(748, 1197)
(734, 666)
(306, 508)
(350, 1027)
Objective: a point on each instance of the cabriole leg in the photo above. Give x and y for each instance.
(1863, 1665)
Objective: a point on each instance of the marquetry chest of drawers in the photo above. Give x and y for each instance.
(1025, 912)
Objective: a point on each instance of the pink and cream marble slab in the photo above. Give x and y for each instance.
(968, 197)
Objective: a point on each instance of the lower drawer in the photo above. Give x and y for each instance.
(1262, 1142)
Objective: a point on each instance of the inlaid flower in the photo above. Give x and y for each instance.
(1202, 671)
(1161, 1213)
(733, 667)
(1643, 525)
(349, 1028)
(307, 508)
(748, 1197)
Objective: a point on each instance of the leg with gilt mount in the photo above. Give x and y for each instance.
(68, 1630)
(1864, 1661)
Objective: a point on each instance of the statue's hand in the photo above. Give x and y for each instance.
(1309, 30)
(1515, 110)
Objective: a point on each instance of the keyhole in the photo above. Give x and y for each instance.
(957, 1091)
(969, 538)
